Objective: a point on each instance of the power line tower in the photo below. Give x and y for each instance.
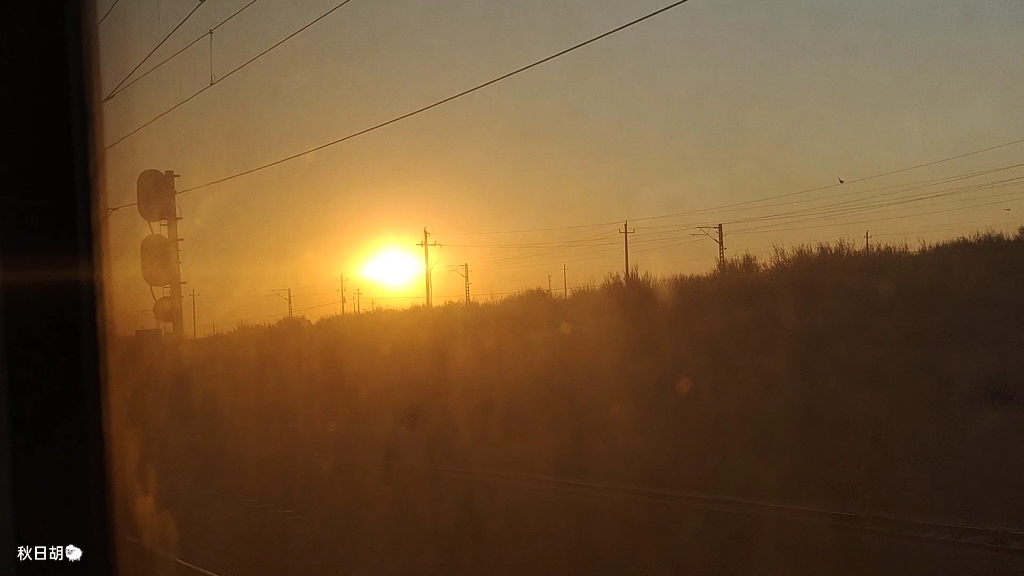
(341, 292)
(285, 293)
(625, 243)
(161, 263)
(426, 265)
(720, 240)
(465, 275)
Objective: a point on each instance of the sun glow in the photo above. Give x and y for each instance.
(392, 268)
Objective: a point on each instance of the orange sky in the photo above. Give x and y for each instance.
(712, 103)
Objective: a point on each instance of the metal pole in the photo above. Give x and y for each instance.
(177, 325)
(721, 248)
(426, 266)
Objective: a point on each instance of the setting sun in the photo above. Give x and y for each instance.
(393, 268)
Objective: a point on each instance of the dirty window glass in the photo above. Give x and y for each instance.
(534, 287)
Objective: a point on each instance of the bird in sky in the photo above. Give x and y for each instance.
(841, 181)
(1007, 209)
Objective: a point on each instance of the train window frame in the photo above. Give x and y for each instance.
(53, 473)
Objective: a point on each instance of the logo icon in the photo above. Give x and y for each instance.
(73, 553)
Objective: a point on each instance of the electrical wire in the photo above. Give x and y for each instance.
(155, 48)
(225, 77)
(438, 102)
(109, 10)
(873, 209)
(830, 186)
(171, 57)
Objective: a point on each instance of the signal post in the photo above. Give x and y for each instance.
(161, 266)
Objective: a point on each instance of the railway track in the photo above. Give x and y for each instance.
(998, 539)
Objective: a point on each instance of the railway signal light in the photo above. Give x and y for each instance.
(159, 254)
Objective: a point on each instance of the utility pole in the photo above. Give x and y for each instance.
(287, 296)
(867, 243)
(177, 325)
(720, 240)
(341, 292)
(721, 247)
(426, 265)
(358, 293)
(193, 313)
(465, 275)
(625, 243)
(565, 286)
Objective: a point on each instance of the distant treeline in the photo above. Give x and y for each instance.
(887, 382)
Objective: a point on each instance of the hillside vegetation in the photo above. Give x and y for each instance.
(890, 382)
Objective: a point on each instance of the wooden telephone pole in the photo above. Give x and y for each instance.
(625, 243)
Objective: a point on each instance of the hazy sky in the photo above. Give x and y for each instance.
(712, 103)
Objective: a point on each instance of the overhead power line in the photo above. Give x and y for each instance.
(525, 231)
(172, 56)
(958, 226)
(439, 102)
(847, 183)
(155, 48)
(661, 239)
(225, 76)
(887, 190)
(668, 239)
(866, 202)
(872, 220)
(109, 10)
(899, 188)
(881, 207)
